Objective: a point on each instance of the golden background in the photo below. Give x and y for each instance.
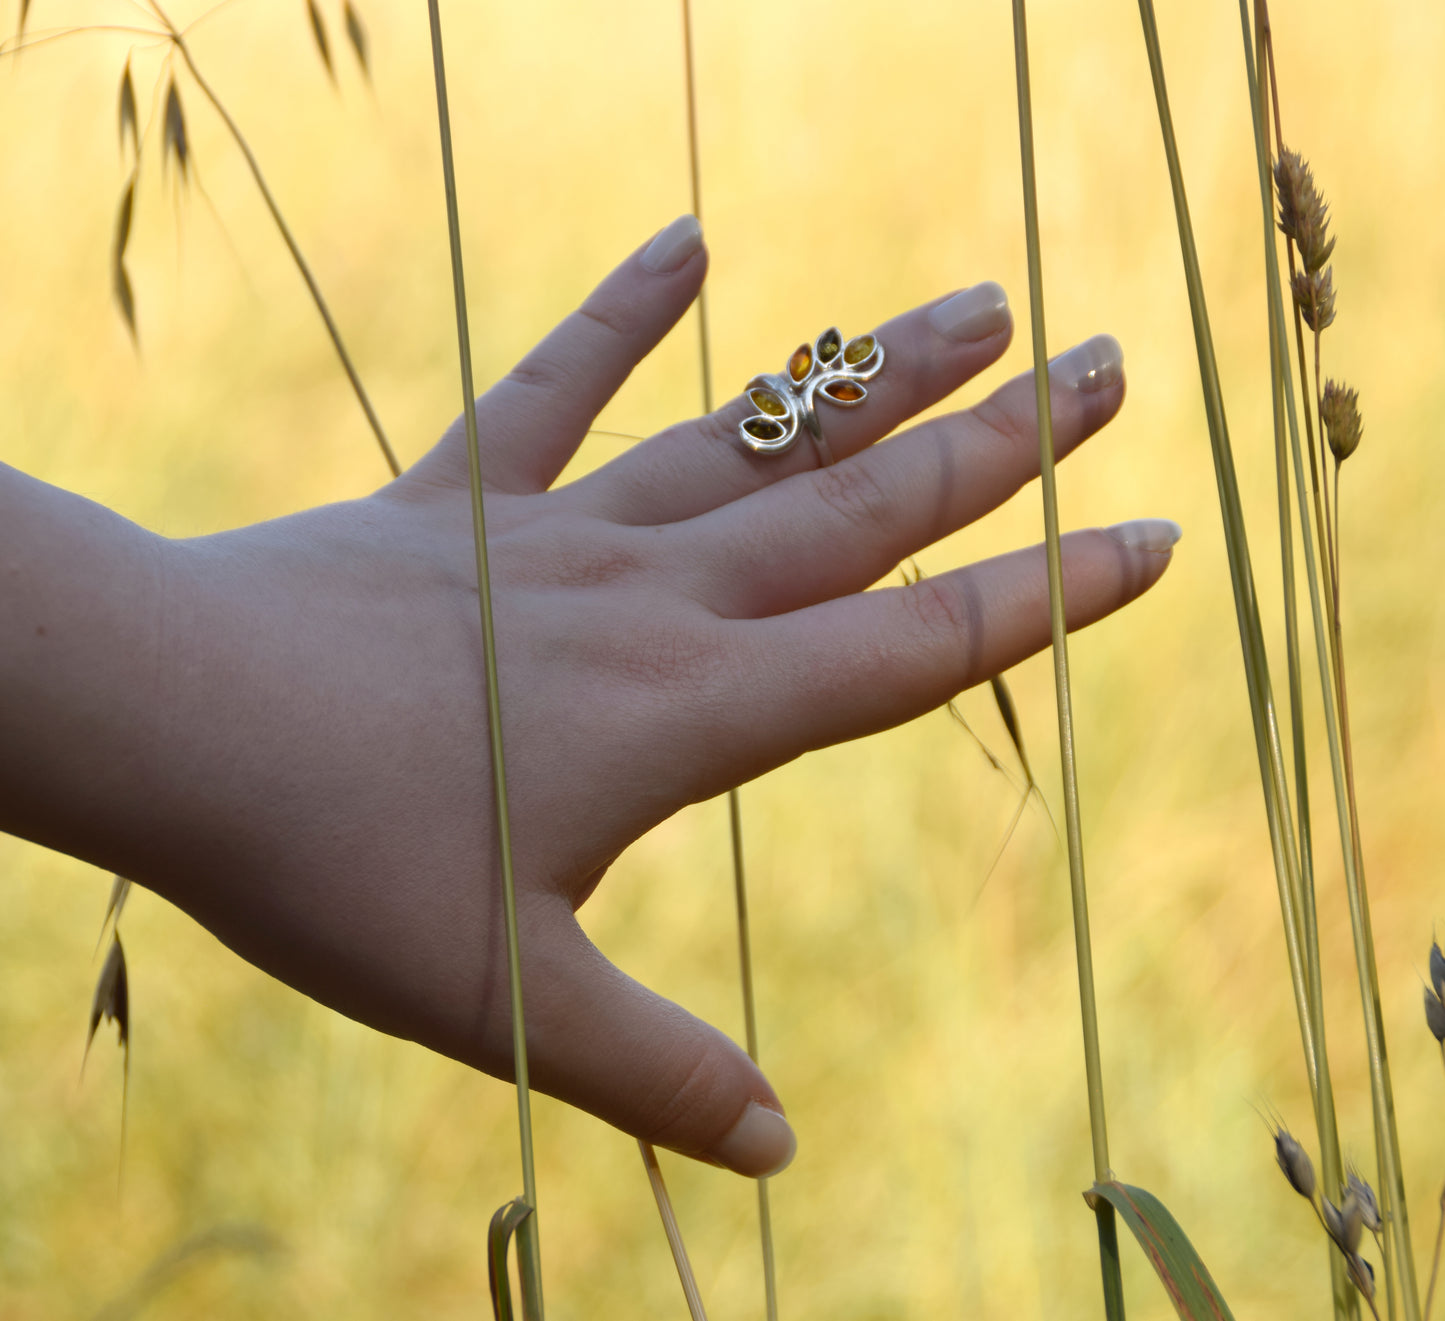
(857, 159)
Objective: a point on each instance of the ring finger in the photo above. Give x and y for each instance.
(699, 465)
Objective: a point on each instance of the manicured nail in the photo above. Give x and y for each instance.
(1156, 534)
(760, 1144)
(670, 249)
(972, 315)
(1090, 366)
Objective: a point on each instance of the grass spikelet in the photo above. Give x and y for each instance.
(1314, 295)
(1340, 414)
(1294, 1161)
(177, 143)
(1303, 215)
(1435, 1015)
(323, 42)
(356, 35)
(119, 278)
(128, 121)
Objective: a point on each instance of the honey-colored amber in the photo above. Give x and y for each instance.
(858, 349)
(828, 346)
(800, 362)
(767, 402)
(845, 392)
(761, 429)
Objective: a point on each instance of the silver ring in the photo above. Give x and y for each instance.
(786, 401)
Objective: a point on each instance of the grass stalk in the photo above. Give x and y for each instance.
(528, 1247)
(1286, 427)
(735, 818)
(674, 1233)
(1093, 1068)
(1256, 667)
(179, 42)
(1399, 1257)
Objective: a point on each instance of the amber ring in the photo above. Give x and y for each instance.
(786, 402)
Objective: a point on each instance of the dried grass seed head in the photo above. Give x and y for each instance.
(1340, 411)
(1303, 215)
(1435, 1015)
(1295, 1163)
(1314, 295)
(1352, 1222)
(1368, 1203)
(1437, 968)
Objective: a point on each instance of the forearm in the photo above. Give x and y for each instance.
(82, 604)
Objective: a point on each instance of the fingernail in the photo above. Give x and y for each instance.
(1156, 534)
(760, 1144)
(670, 249)
(972, 315)
(1090, 366)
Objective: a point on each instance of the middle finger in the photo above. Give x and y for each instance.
(832, 532)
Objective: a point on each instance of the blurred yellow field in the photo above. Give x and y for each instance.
(918, 1015)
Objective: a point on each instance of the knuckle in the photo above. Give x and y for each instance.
(853, 491)
(1018, 434)
(941, 616)
(687, 1105)
(535, 372)
(612, 318)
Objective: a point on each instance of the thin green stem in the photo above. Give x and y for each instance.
(1331, 665)
(1256, 669)
(735, 819)
(1435, 1260)
(1285, 420)
(528, 1247)
(1093, 1066)
(292, 246)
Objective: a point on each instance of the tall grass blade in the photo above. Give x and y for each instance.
(1103, 1209)
(1184, 1276)
(1256, 668)
(735, 813)
(1286, 427)
(528, 1247)
(1398, 1251)
(674, 1233)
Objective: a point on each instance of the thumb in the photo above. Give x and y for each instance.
(601, 1041)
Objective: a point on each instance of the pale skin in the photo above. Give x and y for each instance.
(282, 729)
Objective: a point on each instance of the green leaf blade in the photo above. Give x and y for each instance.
(1184, 1276)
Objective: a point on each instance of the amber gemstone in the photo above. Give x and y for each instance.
(767, 402)
(858, 349)
(800, 362)
(845, 392)
(760, 428)
(828, 346)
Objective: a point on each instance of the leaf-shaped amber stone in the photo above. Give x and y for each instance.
(800, 363)
(858, 349)
(845, 392)
(828, 346)
(760, 428)
(766, 401)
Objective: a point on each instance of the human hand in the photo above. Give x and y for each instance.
(304, 755)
